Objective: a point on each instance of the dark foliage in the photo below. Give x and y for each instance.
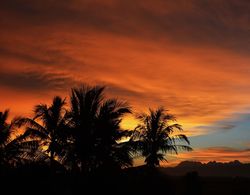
(155, 136)
(82, 147)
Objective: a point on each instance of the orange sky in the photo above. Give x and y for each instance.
(206, 155)
(190, 56)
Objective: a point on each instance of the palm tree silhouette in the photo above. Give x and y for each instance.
(14, 147)
(112, 151)
(155, 136)
(49, 126)
(96, 129)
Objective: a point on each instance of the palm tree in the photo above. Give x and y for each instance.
(156, 136)
(49, 126)
(85, 102)
(112, 151)
(14, 148)
(95, 123)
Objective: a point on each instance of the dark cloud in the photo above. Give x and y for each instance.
(188, 22)
(38, 56)
(217, 127)
(122, 91)
(23, 56)
(228, 126)
(35, 81)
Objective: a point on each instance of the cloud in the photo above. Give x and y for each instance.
(222, 154)
(234, 122)
(122, 91)
(23, 56)
(194, 22)
(37, 55)
(189, 56)
(204, 155)
(35, 81)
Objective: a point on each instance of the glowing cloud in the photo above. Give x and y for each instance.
(189, 56)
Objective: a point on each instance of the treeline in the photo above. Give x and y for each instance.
(84, 135)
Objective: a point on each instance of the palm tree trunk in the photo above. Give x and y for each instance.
(51, 159)
(52, 154)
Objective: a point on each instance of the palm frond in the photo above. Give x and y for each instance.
(40, 110)
(171, 128)
(32, 124)
(182, 137)
(3, 117)
(34, 133)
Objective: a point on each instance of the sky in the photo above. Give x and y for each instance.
(190, 56)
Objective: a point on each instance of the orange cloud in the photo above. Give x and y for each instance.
(204, 155)
(190, 82)
(187, 56)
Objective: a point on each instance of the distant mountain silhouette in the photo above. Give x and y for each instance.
(213, 168)
(209, 164)
(189, 164)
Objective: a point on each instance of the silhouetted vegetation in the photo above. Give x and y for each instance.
(75, 146)
(154, 136)
(14, 149)
(85, 136)
(95, 130)
(48, 127)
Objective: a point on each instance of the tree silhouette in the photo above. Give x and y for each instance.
(49, 126)
(95, 123)
(112, 151)
(14, 148)
(155, 136)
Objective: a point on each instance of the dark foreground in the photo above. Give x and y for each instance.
(131, 181)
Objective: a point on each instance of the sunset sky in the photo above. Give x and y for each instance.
(190, 56)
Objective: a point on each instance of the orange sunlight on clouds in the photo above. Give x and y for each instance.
(185, 55)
